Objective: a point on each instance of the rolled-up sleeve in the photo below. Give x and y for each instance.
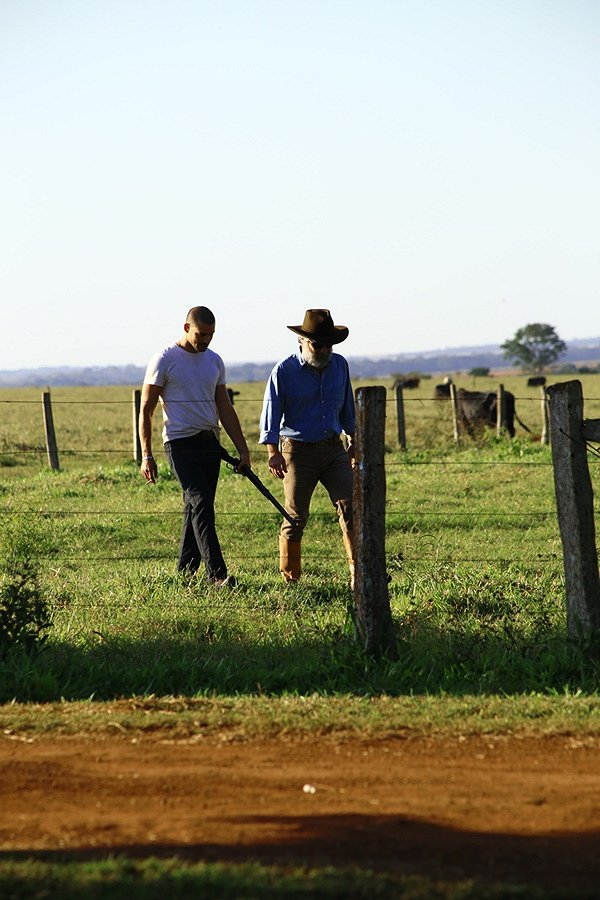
(270, 417)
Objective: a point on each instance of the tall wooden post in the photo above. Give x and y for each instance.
(575, 507)
(500, 410)
(137, 446)
(373, 618)
(454, 404)
(545, 438)
(400, 417)
(51, 447)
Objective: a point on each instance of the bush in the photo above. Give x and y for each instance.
(24, 610)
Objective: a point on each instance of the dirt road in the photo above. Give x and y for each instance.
(503, 809)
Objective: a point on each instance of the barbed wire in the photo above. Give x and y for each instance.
(437, 558)
(438, 513)
(404, 515)
(261, 400)
(406, 463)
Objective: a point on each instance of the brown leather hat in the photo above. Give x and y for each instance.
(318, 326)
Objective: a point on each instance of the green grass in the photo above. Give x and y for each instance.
(342, 717)
(459, 630)
(477, 599)
(155, 879)
(477, 594)
(472, 543)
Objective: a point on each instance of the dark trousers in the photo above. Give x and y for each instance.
(195, 462)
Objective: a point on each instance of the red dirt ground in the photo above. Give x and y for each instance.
(496, 809)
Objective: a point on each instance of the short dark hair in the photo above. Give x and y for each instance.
(200, 315)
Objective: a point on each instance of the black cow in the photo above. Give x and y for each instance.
(536, 381)
(476, 408)
(407, 382)
(441, 391)
(232, 394)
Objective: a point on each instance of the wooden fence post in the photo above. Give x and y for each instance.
(400, 417)
(373, 617)
(575, 507)
(51, 447)
(545, 438)
(454, 404)
(137, 446)
(500, 410)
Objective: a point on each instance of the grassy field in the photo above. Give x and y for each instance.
(477, 590)
(156, 879)
(472, 547)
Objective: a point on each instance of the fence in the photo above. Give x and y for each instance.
(575, 506)
(571, 476)
(501, 421)
(53, 450)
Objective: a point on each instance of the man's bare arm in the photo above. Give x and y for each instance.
(231, 423)
(150, 397)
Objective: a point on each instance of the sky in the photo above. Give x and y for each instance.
(428, 170)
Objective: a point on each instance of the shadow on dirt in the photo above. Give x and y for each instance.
(559, 864)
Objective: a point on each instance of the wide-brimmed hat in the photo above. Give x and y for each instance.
(318, 326)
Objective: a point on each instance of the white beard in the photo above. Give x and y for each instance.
(317, 361)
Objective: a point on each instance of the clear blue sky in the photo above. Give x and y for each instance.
(427, 170)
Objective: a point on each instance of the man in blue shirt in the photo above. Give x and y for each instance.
(308, 402)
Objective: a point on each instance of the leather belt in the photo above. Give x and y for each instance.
(326, 442)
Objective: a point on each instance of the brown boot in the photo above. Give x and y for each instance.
(347, 538)
(289, 559)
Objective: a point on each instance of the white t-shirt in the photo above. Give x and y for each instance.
(188, 382)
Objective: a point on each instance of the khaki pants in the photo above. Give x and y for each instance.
(307, 465)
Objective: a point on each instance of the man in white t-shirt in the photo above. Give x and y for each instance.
(189, 381)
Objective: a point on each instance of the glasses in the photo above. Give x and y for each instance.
(316, 345)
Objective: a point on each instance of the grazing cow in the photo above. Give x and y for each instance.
(232, 394)
(407, 382)
(476, 408)
(442, 391)
(536, 381)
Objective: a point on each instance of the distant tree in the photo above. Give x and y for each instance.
(535, 346)
(479, 371)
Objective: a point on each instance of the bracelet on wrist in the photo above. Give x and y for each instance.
(147, 457)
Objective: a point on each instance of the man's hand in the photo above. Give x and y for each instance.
(244, 459)
(351, 455)
(149, 470)
(277, 464)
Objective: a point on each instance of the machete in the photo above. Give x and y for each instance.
(247, 472)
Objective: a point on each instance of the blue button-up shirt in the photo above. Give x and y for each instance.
(305, 404)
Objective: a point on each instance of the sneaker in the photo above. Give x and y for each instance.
(229, 582)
